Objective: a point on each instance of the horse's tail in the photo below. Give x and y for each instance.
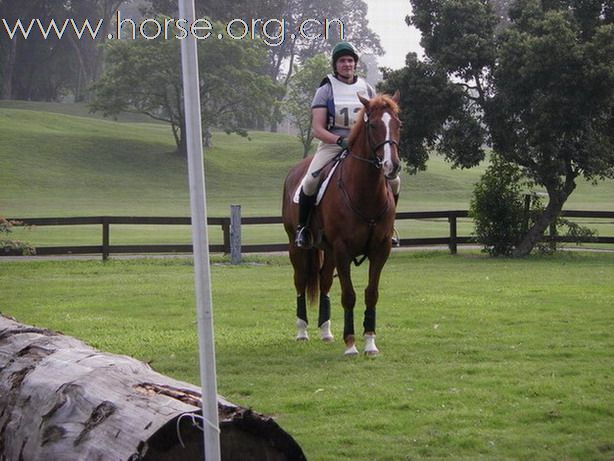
(314, 263)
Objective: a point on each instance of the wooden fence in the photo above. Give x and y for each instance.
(231, 230)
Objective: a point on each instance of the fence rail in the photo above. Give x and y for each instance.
(231, 228)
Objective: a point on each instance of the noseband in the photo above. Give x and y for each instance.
(373, 158)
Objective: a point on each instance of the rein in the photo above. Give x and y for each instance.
(371, 222)
(348, 200)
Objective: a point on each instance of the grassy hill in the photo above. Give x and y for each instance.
(75, 163)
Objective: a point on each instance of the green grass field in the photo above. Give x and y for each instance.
(492, 359)
(59, 160)
(480, 358)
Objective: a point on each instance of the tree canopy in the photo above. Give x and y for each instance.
(43, 66)
(537, 85)
(304, 33)
(144, 76)
(51, 68)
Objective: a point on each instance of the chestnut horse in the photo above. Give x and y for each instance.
(354, 218)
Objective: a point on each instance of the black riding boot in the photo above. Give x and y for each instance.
(303, 237)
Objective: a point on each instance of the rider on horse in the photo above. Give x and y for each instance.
(333, 111)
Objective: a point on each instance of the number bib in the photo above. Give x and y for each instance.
(346, 102)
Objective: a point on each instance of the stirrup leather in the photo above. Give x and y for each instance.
(303, 238)
(396, 240)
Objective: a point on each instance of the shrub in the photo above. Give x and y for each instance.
(497, 208)
(12, 246)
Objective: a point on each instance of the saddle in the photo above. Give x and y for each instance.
(325, 176)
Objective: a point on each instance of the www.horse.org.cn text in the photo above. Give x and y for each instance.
(273, 31)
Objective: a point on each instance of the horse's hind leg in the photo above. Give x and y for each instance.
(326, 281)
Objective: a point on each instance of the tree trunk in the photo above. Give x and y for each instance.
(556, 199)
(9, 67)
(83, 78)
(62, 400)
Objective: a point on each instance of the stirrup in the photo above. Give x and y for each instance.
(303, 238)
(396, 240)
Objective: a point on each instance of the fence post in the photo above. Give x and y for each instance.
(453, 234)
(235, 234)
(105, 239)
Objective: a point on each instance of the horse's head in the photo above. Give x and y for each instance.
(378, 128)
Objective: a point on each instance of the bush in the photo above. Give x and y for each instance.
(12, 246)
(498, 209)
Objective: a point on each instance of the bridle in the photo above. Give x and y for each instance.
(373, 158)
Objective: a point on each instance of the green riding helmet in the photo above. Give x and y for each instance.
(343, 49)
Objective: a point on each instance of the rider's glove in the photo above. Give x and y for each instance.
(342, 142)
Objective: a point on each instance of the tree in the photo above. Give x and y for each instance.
(44, 66)
(539, 89)
(89, 53)
(302, 34)
(553, 111)
(300, 93)
(144, 76)
(32, 68)
(432, 110)
(294, 30)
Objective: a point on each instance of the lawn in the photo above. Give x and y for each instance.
(59, 160)
(481, 358)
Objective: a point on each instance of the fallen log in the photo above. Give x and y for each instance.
(60, 399)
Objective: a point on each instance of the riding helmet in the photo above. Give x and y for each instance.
(344, 49)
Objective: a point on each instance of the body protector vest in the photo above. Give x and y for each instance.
(345, 101)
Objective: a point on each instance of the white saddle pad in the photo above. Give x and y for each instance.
(322, 188)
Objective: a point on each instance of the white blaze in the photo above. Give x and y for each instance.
(387, 149)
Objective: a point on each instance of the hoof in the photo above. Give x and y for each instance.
(351, 351)
(301, 334)
(371, 349)
(325, 333)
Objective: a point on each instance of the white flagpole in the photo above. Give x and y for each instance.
(200, 240)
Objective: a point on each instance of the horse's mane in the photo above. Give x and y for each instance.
(377, 104)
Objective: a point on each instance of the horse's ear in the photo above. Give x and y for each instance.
(396, 97)
(364, 101)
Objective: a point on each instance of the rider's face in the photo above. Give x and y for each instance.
(345, 66)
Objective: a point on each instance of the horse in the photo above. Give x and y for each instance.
(354, 218)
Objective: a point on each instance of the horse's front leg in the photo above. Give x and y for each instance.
(348, 301)
(376, 264)
(297, 257)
